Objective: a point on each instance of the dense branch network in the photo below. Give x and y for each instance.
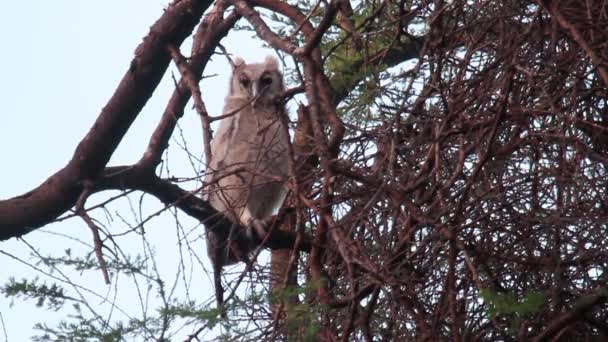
(448, 175)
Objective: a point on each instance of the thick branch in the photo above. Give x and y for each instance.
(245, 9)
(60, 192)
(136, 178)
(208, 35)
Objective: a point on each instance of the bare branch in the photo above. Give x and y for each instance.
(60, 192)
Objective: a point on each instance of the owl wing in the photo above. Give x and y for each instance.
(219, 149)
(228, 152)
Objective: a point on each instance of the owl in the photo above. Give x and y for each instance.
(249, 156)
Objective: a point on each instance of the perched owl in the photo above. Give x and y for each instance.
(249, 156)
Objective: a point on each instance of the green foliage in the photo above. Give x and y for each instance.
(509, 304)
(84, 322)
(290, 291)
(209, 316)
(344, 62)
(80, 329)
(302, 318)
(53, 296)
(130, 265)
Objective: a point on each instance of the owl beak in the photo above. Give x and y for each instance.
(256, 93)
(257, 90)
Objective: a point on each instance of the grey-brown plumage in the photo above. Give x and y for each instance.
(249, 156)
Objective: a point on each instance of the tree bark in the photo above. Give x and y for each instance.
(56, 195)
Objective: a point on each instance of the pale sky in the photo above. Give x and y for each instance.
(61, 62)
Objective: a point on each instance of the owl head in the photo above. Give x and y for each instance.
(263, 81)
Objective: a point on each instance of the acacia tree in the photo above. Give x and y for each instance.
(447, 176)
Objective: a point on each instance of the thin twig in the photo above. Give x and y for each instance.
(98, 243)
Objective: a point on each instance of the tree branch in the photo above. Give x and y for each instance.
(22, 214)
(138, 178)
(582, 305)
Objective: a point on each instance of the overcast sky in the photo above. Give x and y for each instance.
(61, 62)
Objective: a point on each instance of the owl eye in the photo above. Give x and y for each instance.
(244, 81)
(266, 81)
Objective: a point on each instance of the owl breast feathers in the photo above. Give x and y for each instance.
(245, 178)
